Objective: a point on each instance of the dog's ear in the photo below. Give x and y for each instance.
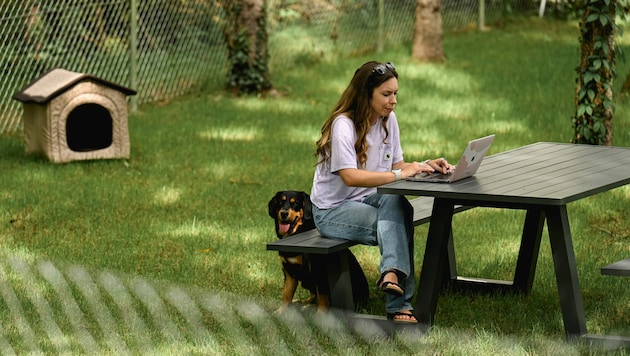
(308, 209)
(273, 203)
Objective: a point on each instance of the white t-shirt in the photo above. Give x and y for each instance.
(329, 189)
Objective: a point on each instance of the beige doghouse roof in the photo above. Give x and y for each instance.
(54, 82)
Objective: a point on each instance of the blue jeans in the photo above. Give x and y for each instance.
(385, 220)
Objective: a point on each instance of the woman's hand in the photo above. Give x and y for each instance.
(414, 168)
(440, 165)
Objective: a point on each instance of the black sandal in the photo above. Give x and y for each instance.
(411, 320)
(390, 287)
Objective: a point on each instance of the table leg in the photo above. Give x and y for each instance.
(525, 265)
(566, 272)
(435, 258)
(450, 272)
(528, 253)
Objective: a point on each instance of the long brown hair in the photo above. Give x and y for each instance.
(355, 103)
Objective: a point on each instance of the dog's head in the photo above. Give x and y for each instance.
(292, 212)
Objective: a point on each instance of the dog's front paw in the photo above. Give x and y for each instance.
(282, 309)
(309, 307)
(312, 299)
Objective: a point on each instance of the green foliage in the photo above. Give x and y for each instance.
(595, 74)
(248, 74)
(246, 77)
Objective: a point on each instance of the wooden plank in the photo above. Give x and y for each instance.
(379, 324)
(311, 242)
(607, 342)
(423, 207)
(619, 268)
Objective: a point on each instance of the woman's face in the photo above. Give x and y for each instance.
(384, 98)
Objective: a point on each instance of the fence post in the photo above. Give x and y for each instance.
(482, 15)
(381, 26)
(133, 51)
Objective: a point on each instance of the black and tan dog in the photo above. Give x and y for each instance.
(291, 211)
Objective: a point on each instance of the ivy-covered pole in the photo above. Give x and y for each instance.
(592, 122)
(245, 31)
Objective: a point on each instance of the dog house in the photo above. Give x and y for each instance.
(72, 116)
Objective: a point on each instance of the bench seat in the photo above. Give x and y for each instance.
(619, 268)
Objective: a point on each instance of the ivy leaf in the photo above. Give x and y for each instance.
(581, 110)
(587, 134)
(592, 18)
(588, 76)
(581, 94)
(585, 110)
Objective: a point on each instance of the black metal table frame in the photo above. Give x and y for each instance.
(544, 198)
(439, 260)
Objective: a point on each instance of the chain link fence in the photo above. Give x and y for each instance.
(165, 48)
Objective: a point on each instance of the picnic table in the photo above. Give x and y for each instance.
(540, 178)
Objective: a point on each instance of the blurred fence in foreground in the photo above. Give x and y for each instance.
(50, 309)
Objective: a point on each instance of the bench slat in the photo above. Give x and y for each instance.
(423, 207)
(312, 242)
(619, 268)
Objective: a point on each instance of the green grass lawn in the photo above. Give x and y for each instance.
(165, 252)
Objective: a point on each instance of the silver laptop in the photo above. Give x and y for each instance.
(466, 167)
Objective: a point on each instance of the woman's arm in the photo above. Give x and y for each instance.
(354, 177)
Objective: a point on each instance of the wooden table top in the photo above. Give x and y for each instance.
(542, 173)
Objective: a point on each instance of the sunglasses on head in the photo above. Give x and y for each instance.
(382, 68)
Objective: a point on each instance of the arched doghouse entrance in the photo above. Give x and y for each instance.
(89, 127)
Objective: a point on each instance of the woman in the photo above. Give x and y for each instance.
(359, 150)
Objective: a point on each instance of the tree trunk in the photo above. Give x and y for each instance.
(592, 122)
(625, 88)
(427, 31)
(245, 33)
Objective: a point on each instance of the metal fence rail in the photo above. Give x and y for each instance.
(164, 48)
